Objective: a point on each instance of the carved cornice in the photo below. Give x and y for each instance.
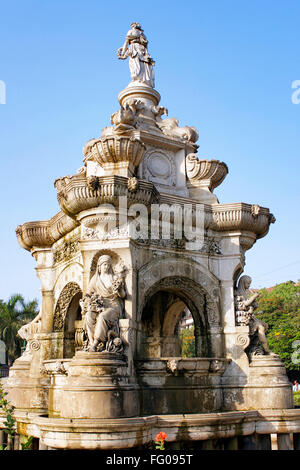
(206, 173)
(76, 194)
(240, 216)
(113, 151)
(44, 233)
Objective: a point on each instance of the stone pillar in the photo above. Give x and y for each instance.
(247, 442)
(47, 311)
(284, 441)
(263, 441)
(17, 442)
(10, 443)
(87, 258)
(207, 445)
(231, 443)
(2, 437)
(42, 446)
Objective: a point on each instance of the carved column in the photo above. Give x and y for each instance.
(284, 441)
(47, 311)
(46, 274)
(231, 443)
(263, 442)
(247, 442)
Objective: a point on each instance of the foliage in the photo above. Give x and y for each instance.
(10, 422)
(187, 341)
(280, 309)
(297, 398)
(13, 314)
(160, 440)
(27, 442)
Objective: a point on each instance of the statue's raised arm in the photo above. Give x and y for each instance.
(140, 62)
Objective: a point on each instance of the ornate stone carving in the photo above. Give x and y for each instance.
(140, 62)
(211, 246)
(172, 366)
(243, 340)
(159, 167)
(255, 210)
(215, 366)
(205, 173)
(93, 182)
(115, 152)
(97, 234)
(133, 184)
(245, 305)
(67, 252)
(125, 119)
(170, 126)
(102, 308)
(44, 233)
(34, 345)
(63, 303)
(58, 368)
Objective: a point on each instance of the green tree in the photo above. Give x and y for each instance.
(13, 314)
(280, 309)
(187, 342)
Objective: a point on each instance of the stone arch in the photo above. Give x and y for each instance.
(67, 313)
(72, 273)
(170, 267)
(170, 340)
(184, 290)
(63, 305)
(192, 285)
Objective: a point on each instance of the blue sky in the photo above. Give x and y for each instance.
(225, 67)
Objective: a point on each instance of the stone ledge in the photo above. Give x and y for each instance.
(129, 432)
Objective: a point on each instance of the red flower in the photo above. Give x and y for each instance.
(161, 437)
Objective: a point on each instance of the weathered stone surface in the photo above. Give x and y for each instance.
(102, 367)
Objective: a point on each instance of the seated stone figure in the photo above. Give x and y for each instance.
(245, 305)
(103, 306)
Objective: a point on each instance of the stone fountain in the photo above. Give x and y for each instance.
(102, 368)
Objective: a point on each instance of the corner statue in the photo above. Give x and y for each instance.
(245, 304)
(140, 62)
(102, 307)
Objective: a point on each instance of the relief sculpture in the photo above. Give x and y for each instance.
(102, 308)
(245, 305)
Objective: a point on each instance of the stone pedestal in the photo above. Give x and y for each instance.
(24, 391)
(98, 387)
(268, 385)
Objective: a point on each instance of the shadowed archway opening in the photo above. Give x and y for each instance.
(164, 307)
(185, 331)
(73, 315)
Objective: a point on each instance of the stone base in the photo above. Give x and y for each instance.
(26, 392)
(180, 385)
(267, 387)
(98, 386)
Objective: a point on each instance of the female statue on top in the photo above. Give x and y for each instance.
(140, 62)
